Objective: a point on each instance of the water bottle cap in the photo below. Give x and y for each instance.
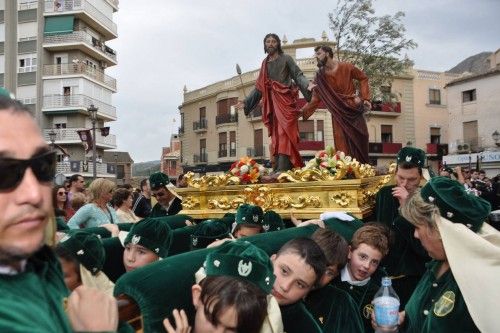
(386, 281)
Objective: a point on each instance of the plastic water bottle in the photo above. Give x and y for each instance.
(386, 305)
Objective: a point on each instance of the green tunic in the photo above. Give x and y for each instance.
(334, 310)
(362, 296)
(437, 305)
(297, 319)
(158, 211)
(406, 259)
(32, 301)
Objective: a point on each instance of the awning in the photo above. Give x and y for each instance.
(55, 25)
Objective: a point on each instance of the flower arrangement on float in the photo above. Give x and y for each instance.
(329, 160)
(247, 170)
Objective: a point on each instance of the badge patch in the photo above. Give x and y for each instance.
(256, 218)
(408, 158)
(135, 239)
(244, 269)
(445, 304)
(367, 311)
(265, 227)
(195, 241)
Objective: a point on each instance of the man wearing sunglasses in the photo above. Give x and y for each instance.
(169, 202)
(31, 281)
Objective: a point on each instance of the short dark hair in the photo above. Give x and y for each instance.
(12, 105)
(408, 165)
(220, 292)
(74, 178)
(144, 182)
(326, 49)
(274, 36)
(308, 250)
(334, 246)
(120, 196)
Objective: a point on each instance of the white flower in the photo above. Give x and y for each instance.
(262, 170)
(234, 170)
(244, 169)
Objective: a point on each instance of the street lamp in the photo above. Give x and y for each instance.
(52, 138)
(93, 118)
(496, 137)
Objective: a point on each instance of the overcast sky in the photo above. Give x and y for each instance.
(166, 44)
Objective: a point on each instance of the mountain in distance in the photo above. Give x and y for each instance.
(144, 169)
(474, 64)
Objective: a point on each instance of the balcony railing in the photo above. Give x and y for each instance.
(78, 101)
(256, 112)
(232, 152)
(80, 68)
(257, 151)
(222, 153)
(82, 37)
(384, 148)
(200, 125)
(311, 145)
(62, 6)
(27, 5)
(386, 107)
(69, 168)
(70, 135)
(201, 158)
(226, 119)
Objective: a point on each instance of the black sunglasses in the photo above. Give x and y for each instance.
(12, 170)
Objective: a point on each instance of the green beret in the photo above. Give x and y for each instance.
(158, 179)
(454, 203)
(6, 93)
(249, 214)
(86, 248)
(272, 221)
(229, 219)
(411, 155)
(152, 234)
(208, 231)
(243, 260)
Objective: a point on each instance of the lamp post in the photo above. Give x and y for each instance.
(52, 138)
(93, 118)
(116, 167)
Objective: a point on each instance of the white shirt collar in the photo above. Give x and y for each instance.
(345, 276)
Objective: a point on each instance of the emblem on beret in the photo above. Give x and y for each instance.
(157, 250)
(408, 158)
(194, 241)
(431, 199)
(449, 215)
(216, 263)
(80, 253)
(266, 227)
(94, 269)
(135, 239)
(445, 304)
(256, 218)
(267, 280)
(244, 269)
(243, 218)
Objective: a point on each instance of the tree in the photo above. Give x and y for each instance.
(374, 44)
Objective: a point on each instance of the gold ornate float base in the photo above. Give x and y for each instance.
(306, 200)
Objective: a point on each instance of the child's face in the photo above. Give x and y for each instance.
(226, 322)
(363, 261)
(71, 274)
(244, 231)
(294, 278)
(331, 273)
(135, 256)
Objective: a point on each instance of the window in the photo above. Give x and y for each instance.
(435, 135)
(468, 95)
(203, 150)
(319, 130)
(60, 125)
(27, 64)
(306, 130)
(232, 143)
(120, 171)
(386, 133)
(435, 96)
(223, 144)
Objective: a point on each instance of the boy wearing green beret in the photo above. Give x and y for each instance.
(272, 221)
(207, 232)
(169, 202)
(248, 221)
(147, 241)
(406, 259)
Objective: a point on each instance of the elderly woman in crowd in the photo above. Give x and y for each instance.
(460, 290)
(97, 212)
(122, 200)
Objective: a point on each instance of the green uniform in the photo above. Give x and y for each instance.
(334, 310)
(32, 301)
(406, 259)
(437, 305)
(297, 319)
(362, 296)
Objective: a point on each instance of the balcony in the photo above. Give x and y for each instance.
(384, 148)
(257, 151)
(27, 5)
(222, 153)
(437, 149)
(70, 136)
(255, 114)
(232, 152)
(81, 68)
(201, 158)
(60, 104)
(226, 119)
(82, 41)
(104, 170)
(85, 11)
(200, 126)
(386, 109)
(311, 145)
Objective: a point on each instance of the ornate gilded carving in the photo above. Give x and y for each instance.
(211, 181)
(342, 170)
(343, 199)
(190, 202)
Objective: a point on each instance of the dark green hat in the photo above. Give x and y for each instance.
(241, 259)
(158, 179)
(86, 248)
(411, 155)
(6, 93)
(208, 231)
(454, 203)
(272, 221)
(152, 234)
(249, 214)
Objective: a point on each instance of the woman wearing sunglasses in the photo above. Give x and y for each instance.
(60, 201)
(97, 212)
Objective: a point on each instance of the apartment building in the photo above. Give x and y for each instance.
(214, 134)
(171, 158)
(53, 58)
